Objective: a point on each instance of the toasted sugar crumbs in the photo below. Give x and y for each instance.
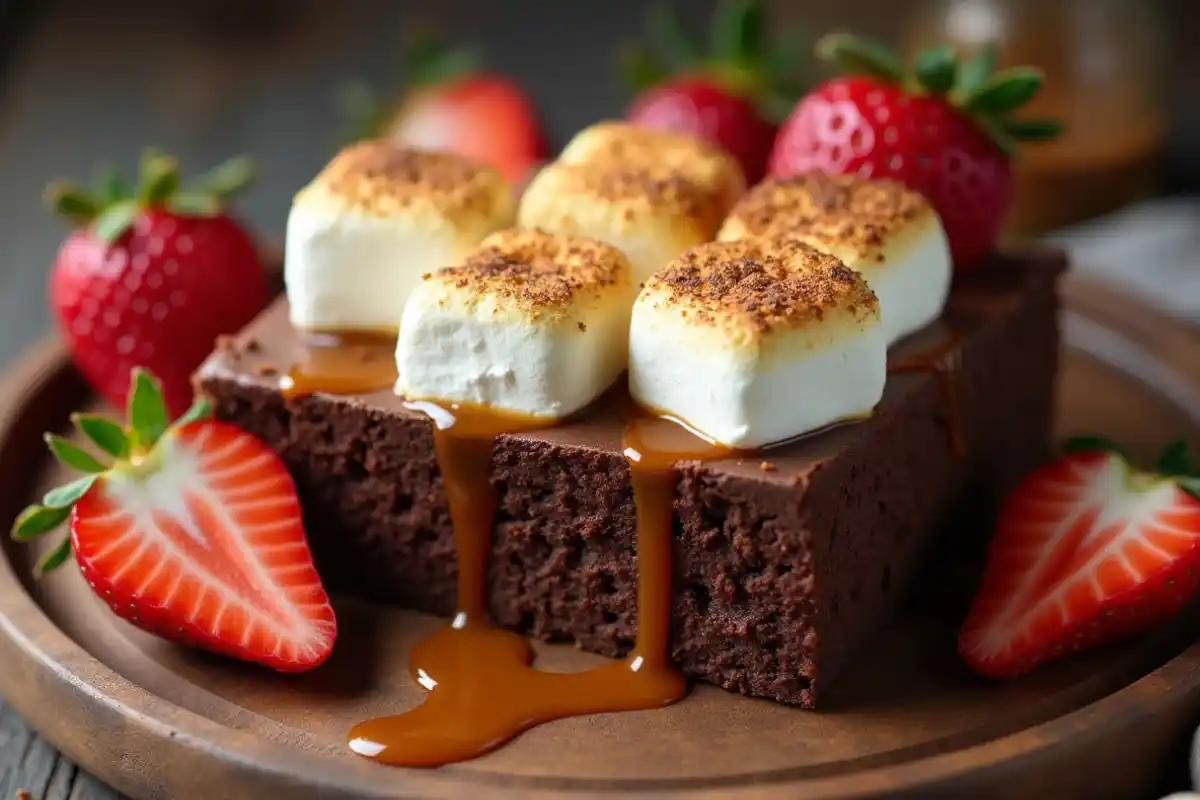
(643, 188)
(539, 272)
(853, 211)
(625, 143)
(764, 284)
(380, 177)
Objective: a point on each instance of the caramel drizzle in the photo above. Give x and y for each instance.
(483, 688)
(342, 363)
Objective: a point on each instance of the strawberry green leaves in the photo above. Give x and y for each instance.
(68, 494)
(112, 206)
(73, 456)
(936, 69)
(116, 446)
(104, 433)
(971, 85)
(1174, 459)
(738, 31)
(199, 410)
(1087, 444)
(147, 410)
(54, 558)
(1174, 463)
(72, 202)
(36, 520)
(741, 55)
(855, 55)
(974, 72)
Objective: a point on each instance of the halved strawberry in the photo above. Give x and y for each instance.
(193, 533)
(1087, 550)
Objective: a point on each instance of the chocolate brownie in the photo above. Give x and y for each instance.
(783, 564)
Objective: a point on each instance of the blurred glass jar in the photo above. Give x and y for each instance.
(1105, 75)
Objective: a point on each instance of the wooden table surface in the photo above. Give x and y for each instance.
(79, 83)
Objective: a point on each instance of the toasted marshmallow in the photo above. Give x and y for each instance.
(530, 323)
(623, 144)
(755, 342)
(360, 236)
(651, 215)
(884, 230)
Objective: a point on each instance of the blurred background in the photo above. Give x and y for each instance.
(84, 82)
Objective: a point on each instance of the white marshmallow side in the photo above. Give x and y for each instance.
(505, 362)
(349, 271)
(741, 398)
(566, 200)
(531, 323)
(914, 282)
(910, 273)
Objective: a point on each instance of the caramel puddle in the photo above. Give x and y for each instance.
(342, 363)
(483, 689)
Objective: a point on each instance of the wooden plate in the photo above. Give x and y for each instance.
(157, 721)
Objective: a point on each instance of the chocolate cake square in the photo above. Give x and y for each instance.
(782, 564)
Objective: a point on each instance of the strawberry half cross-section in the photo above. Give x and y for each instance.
(191, 532)
(1087, 550)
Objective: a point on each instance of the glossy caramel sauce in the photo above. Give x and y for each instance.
(342, 363)
(942, 361)
(483, 688)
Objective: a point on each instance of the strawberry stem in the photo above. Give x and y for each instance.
(132, 448)
(972, 85)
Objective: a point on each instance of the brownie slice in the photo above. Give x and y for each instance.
(783, 565)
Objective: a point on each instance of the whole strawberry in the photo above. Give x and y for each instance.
(734, 95)
(452, 105)
(151, 276)
(191, 532)
(946, 130)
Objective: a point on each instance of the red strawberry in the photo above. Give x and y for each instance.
(151, 278)
(1087, 550)
(946, 131)
(192, 533)
(454, 107)
(733, 96)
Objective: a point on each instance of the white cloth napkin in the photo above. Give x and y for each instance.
(1151, 249)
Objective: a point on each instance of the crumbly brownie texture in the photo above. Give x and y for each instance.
(784, 564)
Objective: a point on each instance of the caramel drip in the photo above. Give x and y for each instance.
(941, 361)
(483, 689)
(342, 363)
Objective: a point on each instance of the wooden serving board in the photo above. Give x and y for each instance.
(161, 722)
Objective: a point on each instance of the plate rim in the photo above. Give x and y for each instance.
(44, 663)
